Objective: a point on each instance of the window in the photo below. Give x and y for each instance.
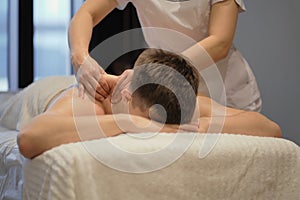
(3, 45)
(47, 47)
(51, 51)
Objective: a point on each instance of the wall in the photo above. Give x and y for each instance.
(268, 35)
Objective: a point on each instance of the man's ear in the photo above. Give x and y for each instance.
(126, 95)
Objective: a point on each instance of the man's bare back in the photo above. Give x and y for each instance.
(210, 114)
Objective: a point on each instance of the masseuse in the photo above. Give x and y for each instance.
(211, 23)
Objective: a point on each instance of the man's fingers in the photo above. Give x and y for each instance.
(195, 122)
(188, 128)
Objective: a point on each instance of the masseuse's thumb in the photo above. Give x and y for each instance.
(122, 84)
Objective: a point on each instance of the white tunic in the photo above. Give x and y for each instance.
(191, 18)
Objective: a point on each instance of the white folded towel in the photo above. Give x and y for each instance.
(31, 101)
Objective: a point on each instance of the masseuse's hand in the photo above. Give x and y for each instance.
(123, 83)
(89, 77)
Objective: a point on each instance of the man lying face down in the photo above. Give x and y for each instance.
(163, 88)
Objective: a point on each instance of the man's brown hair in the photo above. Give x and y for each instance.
(166, 79)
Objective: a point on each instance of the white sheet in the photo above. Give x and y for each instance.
(15, 110)
(22, 107)
(238, 167)
(10, 166)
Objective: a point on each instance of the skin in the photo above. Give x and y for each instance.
(222, 26)
(36, 137)
(81, 27)
(57, 125)
(80, 33)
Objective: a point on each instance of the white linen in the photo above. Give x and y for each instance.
(33, 100)
(238, 167)
(10, 166)
(10, 160)
(16, 110)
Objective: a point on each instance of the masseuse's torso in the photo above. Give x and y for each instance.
(187, 22)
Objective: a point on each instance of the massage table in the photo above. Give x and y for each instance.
(153, 166)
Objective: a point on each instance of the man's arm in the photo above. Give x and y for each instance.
(247, 123)
(50, 130)
(217, 118)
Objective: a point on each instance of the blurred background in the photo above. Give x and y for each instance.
(44, 24)
(33, 44)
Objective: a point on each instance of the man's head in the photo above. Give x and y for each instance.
(163, 79)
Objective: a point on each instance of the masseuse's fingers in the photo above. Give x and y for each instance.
(88, 75)
(80, 90)
(99, 90)
(103, 87)
(116, 95)
(99, 83)
(123, 83)
(98, 97)
(89, 88)
(96, 90)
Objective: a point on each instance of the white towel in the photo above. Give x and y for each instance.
(238, 167)
(22, 107)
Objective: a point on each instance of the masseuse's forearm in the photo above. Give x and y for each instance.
(81, 27)
(215, 47)
(207, 52)
(80, 32)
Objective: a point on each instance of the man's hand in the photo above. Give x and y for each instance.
(204, 124)
(138, 124)
(175, 128)
(89, 76)
(123, 83)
